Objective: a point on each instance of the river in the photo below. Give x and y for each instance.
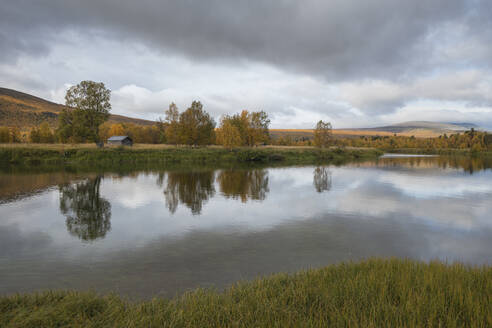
(154, 233)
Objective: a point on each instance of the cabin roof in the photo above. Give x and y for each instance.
(119, 138)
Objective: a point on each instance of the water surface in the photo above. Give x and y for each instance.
(159, 233)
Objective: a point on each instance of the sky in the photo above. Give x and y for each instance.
(354, 63)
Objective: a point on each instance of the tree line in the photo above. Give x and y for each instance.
(85, 119)
(474, 140)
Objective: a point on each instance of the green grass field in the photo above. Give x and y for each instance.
(27, 155)
(373, 293)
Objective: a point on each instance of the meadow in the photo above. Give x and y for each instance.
(62, 154)
(372, 293)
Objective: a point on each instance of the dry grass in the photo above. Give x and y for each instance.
(80, 146)
(138, 146)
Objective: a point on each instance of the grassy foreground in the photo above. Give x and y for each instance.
(373, 293)
(109, 156)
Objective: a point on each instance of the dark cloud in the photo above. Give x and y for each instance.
(342, 60)
(335, 39)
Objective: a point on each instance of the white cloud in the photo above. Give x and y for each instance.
(144, 80)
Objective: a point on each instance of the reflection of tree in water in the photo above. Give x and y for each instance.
(88, 214)
(244, 184)
(189, 188)
(322, 179)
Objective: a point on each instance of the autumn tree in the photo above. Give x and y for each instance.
(4, 135)
(172, 124)
(88, 105)
(258, 128)
(45, 133)
(15, 135)
(322, 134)
(160, 126)
(196, 126)
(34, 136)
(252, 127)
(228, 135)
(104, 130)
(116, 130)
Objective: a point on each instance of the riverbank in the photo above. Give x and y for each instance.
(373, 293)
(27, 155)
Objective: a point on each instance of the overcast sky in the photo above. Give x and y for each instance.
(354, 63)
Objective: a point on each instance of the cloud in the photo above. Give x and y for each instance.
(337, 38)
(350, 62)
(472, 87)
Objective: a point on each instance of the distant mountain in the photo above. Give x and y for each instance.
(24, 110)
(420, 128)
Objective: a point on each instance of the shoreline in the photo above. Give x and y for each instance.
(24, 155)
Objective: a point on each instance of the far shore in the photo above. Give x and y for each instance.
(36, 155)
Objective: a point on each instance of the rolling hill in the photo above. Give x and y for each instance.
(419, 129)
(24, 111)
(424, 128)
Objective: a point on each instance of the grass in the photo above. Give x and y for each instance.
(373, 293)
(38, 155)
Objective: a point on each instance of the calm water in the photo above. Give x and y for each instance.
(160, 233)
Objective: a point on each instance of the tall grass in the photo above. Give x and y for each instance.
(35, 156)
(373, 293)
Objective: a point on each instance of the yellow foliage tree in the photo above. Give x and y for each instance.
(45, 134)
(104, 131)
(4, 135)
(15, 135)
(322, 134)
(116, 130)
(172, 124)
(252, 127)
(228, 135)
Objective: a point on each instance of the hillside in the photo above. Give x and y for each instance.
(424, 128)
(419, 129)
(24, 111)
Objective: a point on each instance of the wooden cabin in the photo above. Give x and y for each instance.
(120, 141)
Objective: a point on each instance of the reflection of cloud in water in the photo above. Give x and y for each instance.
(364, 192)
(139, 212)
(386, 201)
(167, 265)
(363, 211)
(14, 243)
(133, 193)
(437, 186)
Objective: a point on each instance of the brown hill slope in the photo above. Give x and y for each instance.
(23, 110)
(418, 129)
